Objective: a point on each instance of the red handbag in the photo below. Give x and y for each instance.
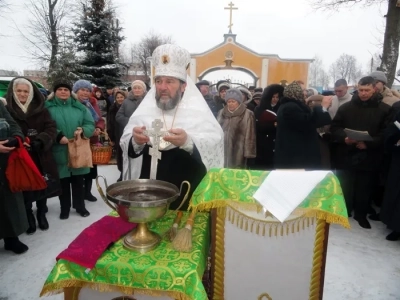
(22, 173)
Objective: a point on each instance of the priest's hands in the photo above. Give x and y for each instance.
(138, 135)
(178, 137)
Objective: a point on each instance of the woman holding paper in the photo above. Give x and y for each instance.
(265, 115)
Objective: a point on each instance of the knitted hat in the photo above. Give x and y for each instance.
(82, 84)
(257, 96)
(65, 83)
(379, 76)
(234, 94)
(139, 83)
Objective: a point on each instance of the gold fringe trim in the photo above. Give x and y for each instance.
(301, 212)
(325, 216)
(58, 288)
(207, 206)
(219, 262)
(268, 228)
(315, 284)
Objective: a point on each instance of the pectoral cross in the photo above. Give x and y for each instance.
(155, 154)
(231, 8)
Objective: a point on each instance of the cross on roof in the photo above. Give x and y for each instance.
(231, 8)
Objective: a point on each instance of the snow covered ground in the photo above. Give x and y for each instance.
(361, 264)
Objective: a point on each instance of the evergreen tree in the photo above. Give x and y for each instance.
(65, 62)
(97, 36)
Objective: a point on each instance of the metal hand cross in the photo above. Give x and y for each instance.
(156, 134)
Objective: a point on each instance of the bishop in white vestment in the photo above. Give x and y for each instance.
(193, 142)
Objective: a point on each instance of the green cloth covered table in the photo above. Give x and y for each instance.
(161, 272)
(235, 188)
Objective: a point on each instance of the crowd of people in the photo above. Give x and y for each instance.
(278, 127)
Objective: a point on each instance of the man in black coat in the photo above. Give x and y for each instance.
(358, 161)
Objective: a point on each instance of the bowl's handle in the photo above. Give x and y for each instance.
(186, 195)
(101, 191)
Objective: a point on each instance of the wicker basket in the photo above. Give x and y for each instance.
(101, 155)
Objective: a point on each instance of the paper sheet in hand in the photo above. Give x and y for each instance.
(358, 135)
(283, 191)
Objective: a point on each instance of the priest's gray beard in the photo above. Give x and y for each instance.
(171, 104)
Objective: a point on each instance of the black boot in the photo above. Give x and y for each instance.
(41, 214)
(363, 222)
(42, 220)
(120, 178)
(83, 212)
(375, 217)
(31, 222)
(15, 245)
(88, 190)
(394, 236)
(64, 214)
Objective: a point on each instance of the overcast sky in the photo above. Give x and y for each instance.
(289, 28)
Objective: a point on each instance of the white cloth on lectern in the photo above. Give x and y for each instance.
(193, 115)
(283, 191)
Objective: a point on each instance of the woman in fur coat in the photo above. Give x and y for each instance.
(25, 103)
(238, 124)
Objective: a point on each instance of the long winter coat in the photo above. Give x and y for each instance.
(239, 136)
(372, 116)
(297, 145)
(37, 117)
(13, 221)
(390, 210)
(68, 115)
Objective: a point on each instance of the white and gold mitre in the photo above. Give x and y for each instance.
(171, 60)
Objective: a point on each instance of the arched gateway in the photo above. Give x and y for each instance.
(265, 69)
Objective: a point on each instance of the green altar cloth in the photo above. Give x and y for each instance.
(161, 272)
(235, 188)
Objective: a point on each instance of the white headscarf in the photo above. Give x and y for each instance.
(24, 107)
(193, 115)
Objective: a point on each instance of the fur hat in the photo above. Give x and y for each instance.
(202, 82)
(294, 91)
(65, 83)
(139, 83)
(257, 96)
(171, 60)
(379, 76)
(82, 84)
(234, 94)
(245, 91)
(259, 89)
(221, 84)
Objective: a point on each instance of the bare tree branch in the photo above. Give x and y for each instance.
(46, 24)
(141, 51)
(391, 41)
(337, 4)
